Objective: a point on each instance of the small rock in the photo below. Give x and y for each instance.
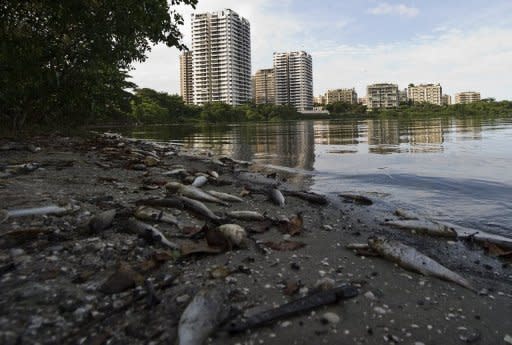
(330, 318)
(370, 295)
(286, 324)
(324, 284)
(379, 310)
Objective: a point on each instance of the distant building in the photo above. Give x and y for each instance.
(362, 101)
(294, 79)
(403, 96)
(341, 95)
(320, 99)
(425, 93)
(221, 59)
(446, 100)
(186, 78)
(382, 96)
(264, 87)
(467, 97)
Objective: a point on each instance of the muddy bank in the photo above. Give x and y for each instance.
(67, 279)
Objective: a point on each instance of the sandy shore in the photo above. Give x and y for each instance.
(62, 281)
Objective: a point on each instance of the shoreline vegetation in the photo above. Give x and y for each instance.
(149, 107)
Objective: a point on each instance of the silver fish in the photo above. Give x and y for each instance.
(199, 181)
(411, 259)
(192, 192)
(225, 196)
(424, 227)
(202, 316)
(199, 208)
(246, 215)
(151, 232)
(177, 171)
(213, 173)
(277, 197)
(148, 213)
(40, 211)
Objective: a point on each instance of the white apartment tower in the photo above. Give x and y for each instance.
(221, 59)
(294, 79)
(425, 93)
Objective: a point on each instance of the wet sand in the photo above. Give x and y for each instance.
(53, 274)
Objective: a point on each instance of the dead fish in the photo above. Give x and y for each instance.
(277, 197)
(411, 259)
(199, 208)
(234, 233)
(192, 193)
(151, 233)
(40, 211)
(148, 213)
(246, 215)
(213, 173)
(355, 246)
(199, 181)
(217, 162)
(357, 199)
(102, 221)
(225, 196)
(308, 196)
(424, 227)
(202, 316)
(404, 214)
(174, 172)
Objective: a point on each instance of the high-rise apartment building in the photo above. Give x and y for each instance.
(186, 78)
(382, 96)
(446, 100)
(221, 59)
(341, 95)
(264, 87)
(425, 93)
(294, 79)
(467, 97)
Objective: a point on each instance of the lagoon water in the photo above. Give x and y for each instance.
(450, 169)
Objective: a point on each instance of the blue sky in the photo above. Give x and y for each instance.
(462, 44)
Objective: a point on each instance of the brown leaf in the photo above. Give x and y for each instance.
(200, 247)
(123, 279)
(291, 288)
(293, 226)
(245, 192)
(496, 250)
(284, 245)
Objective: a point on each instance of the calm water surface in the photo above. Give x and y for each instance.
(451, 169)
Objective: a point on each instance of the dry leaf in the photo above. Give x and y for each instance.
(200, 247)
(293, 226)
(291, 288)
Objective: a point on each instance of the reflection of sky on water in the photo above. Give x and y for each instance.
(452, 168)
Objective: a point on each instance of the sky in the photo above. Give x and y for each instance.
(465, 45)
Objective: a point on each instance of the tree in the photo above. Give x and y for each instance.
(68, 60)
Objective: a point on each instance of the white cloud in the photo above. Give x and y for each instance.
(398, 9)
(471, 60)
(479, 58)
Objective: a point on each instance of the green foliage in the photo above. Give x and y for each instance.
(68, 60)
(338, 108)
(486, 108)
(152, 107)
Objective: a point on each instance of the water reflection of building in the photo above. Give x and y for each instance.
(383, 136)
(393, 135)
(329, 133)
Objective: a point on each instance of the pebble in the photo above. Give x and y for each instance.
(370, 295)
(379, 310)
(286, 324)
(324, 284)
(331, 318)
